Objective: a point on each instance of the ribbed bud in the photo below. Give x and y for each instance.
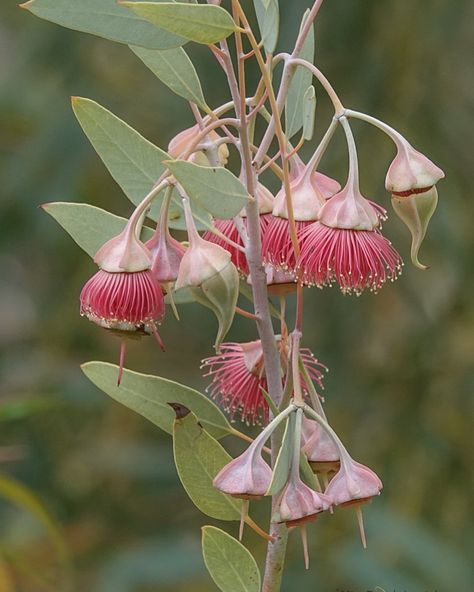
(349, 210)
(411, 171)
(248, 476)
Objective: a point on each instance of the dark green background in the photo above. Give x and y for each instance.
(401, 362)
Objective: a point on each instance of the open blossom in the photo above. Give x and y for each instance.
(346, 246)
(229, 229)
(238, 377)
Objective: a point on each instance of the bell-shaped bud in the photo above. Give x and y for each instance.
(322, 184)
(320, 449)
(201, 261)
(297, 503)
(248, 476)
(306, 197)
(350, 210)
(354, 483)
(411, 172)
(123, 253)
(416, 211)
(182, 142)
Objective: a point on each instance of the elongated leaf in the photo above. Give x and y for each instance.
(134, 162)
(230, 564)
(104, 18)
(90, 227)
(202, 23)
(309, 112)
(216, 190)
(19, 495)
(199, 457)
(174, 68)
(268, 17)
(149, 396)
(299, 85)
(283, 462)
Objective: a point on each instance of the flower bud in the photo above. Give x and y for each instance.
(122, 253)
(248, 476)
(348, 209)
(354, 483)
(166, 255)
(297, 503)
(320, 449)
(182, 141)
(411, 172)
(416, 211)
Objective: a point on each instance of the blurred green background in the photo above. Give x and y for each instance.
(401, 362)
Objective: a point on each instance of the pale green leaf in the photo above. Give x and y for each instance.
(216, 190)
(174, 68)
(202, 23)
(268, 17)
(299, 85)
(199, 457)
(149, 396)
(134, 162)
(283, 462)
(309, 112)
(105, 18)
(90, 227)
(230, 564)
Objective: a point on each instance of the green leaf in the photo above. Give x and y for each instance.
(309, 112)
(104, 18)
(202, 23)
(19, 495)
(174, 68)
(199, 457)
(230, 564)
(134, 162)
(149, 396)
(283, 462)
(216, 190)
(268, 17)
(90, 227)
(299, 85)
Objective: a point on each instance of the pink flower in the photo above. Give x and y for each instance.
(354, 483)
(297, 503)
(411, 172)
(166, 255)
(248, 476)
(319, 447)
(347, 247)
(238, 377)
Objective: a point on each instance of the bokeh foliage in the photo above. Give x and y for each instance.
(401, 381)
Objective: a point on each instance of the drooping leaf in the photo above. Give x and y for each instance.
(216, 190)
(299, 85)
(105, 18)
(149, 396)
(90, 227)
(309, 112)
(268, 17)
(230, 564)
(199, 457)
(283, 462)
(203, 23)
(174, 68)
(134, 162)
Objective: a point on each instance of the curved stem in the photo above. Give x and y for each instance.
(353, 177)
(396, 137)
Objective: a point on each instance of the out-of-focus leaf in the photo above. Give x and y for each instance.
(133, 161)
(216, 190)
(283, 462)
(6, 581)
(231, 565)
(174, 68)
(202, 23)
(15, 408)
(299, 85)
(90, 227)
(199, 457)
(105, 18)
(309, 112)
(20, 496)
(149, 396)
(268, 17)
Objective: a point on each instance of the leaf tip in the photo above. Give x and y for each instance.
(26, 5)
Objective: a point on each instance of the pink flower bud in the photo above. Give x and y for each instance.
(411, 172)
(297, 503)
(201, 261)
(319, 447)
(123, 253)
(182, 142)
(248, 476)
(354, 483)
(166, 255)
(348, 209)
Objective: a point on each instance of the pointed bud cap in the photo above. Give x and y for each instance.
(264, 199)
(248, 476)
(166, 255)
(411, 171)
(321, 451)
(307, 200)
(123, 253)
(297, 503)
(201, 261)
(416, 211)
(349, 210)
(354, 483)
